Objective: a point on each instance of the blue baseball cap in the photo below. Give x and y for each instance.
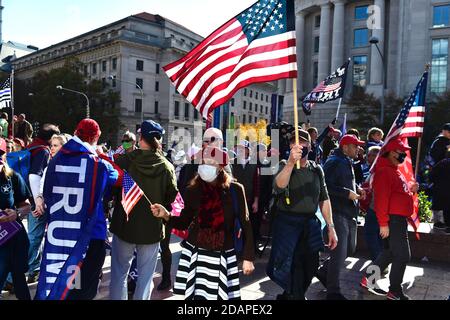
(150, 129)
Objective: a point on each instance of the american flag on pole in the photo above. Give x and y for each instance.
(409, 123)
(131, 193)
(257, 45)
(5, 94)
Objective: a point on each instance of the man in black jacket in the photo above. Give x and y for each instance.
(344, 195)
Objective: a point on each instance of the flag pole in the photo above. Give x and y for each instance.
(12, 102)
(338, 109)
(297, 139)
(419, 142)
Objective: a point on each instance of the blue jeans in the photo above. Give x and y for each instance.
(372, 235)
(14, 260)
(36, 230)
(122, 254)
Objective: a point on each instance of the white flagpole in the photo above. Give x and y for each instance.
(12, 101)
(338, 109)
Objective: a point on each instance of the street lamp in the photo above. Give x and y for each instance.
(80, 93)
(111, 77)
(374, 41)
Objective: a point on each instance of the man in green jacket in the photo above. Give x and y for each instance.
(140, 230)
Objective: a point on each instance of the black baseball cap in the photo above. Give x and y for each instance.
(446, 127)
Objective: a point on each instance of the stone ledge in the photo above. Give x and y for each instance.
(435, 246)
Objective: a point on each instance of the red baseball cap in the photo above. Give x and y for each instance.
(395, 145)
(351, 139)
(2, 145)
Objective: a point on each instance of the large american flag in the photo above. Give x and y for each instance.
(131, 193)
(257, 45)
(5, 94)
(409, 123)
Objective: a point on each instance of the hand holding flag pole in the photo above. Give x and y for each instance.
(297, 139)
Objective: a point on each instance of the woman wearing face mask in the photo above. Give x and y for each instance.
(208, 265)
(394, 205)
(14, 195)
(129, 142)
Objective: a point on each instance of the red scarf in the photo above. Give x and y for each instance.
(211, 213)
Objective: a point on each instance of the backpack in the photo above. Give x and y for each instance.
(20, 161)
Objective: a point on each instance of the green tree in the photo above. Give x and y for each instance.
(46, 104)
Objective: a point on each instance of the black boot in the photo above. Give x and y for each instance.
(165, 283)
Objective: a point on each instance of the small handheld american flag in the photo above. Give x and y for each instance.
(131, 193)
(5, 94)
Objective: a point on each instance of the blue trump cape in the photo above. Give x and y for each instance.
(75, 183)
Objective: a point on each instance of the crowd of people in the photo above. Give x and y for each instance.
(224, 196)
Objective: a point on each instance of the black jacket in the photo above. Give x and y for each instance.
(440, 176)
(438, 149)
(340, 180)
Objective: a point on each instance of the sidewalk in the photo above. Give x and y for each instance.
(422, 281)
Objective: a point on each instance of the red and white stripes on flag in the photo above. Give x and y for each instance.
(414, 123)
(236, 55)
(131, 193)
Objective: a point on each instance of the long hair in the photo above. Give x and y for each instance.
(6, 170)
(223, 180)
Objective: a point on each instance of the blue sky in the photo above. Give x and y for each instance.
(45, 22)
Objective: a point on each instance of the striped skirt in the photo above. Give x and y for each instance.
(207, 275)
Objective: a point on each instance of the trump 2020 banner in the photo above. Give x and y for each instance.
(75, 182)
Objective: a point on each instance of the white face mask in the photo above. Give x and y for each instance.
(207, 173)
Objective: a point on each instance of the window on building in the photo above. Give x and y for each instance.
(176, 111)
(250, 106)
(138, 105)
(245, 105)
(441, 16)
(139, 65)
(267, 110)
(157, 68)
(103, 66)
(196, 113)
(186, 111)
(262, 109)
(157, 86)
(267, 98)
(361, 12)
(360, 37)
(360, 71)
(262, 97)
(316, 44)
(439, 63)
(250, 119)
(251, 93)
(256, 107)
(245, 92)
(94, 68)
(232, 102)
(244, 118)
(114, 63)
(156, 107)
(315, 73)
(139, 83)
(317, 21)
(256, 95)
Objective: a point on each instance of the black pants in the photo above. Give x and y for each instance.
(304, 269)
(447, 217)
(396, 251)
(166, 254)
(14, 259)
(90, 272)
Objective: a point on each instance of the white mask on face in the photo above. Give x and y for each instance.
(207, 173)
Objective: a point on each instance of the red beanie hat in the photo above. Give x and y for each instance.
(88, 129)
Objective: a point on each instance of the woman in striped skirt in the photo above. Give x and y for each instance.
(208, 267)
